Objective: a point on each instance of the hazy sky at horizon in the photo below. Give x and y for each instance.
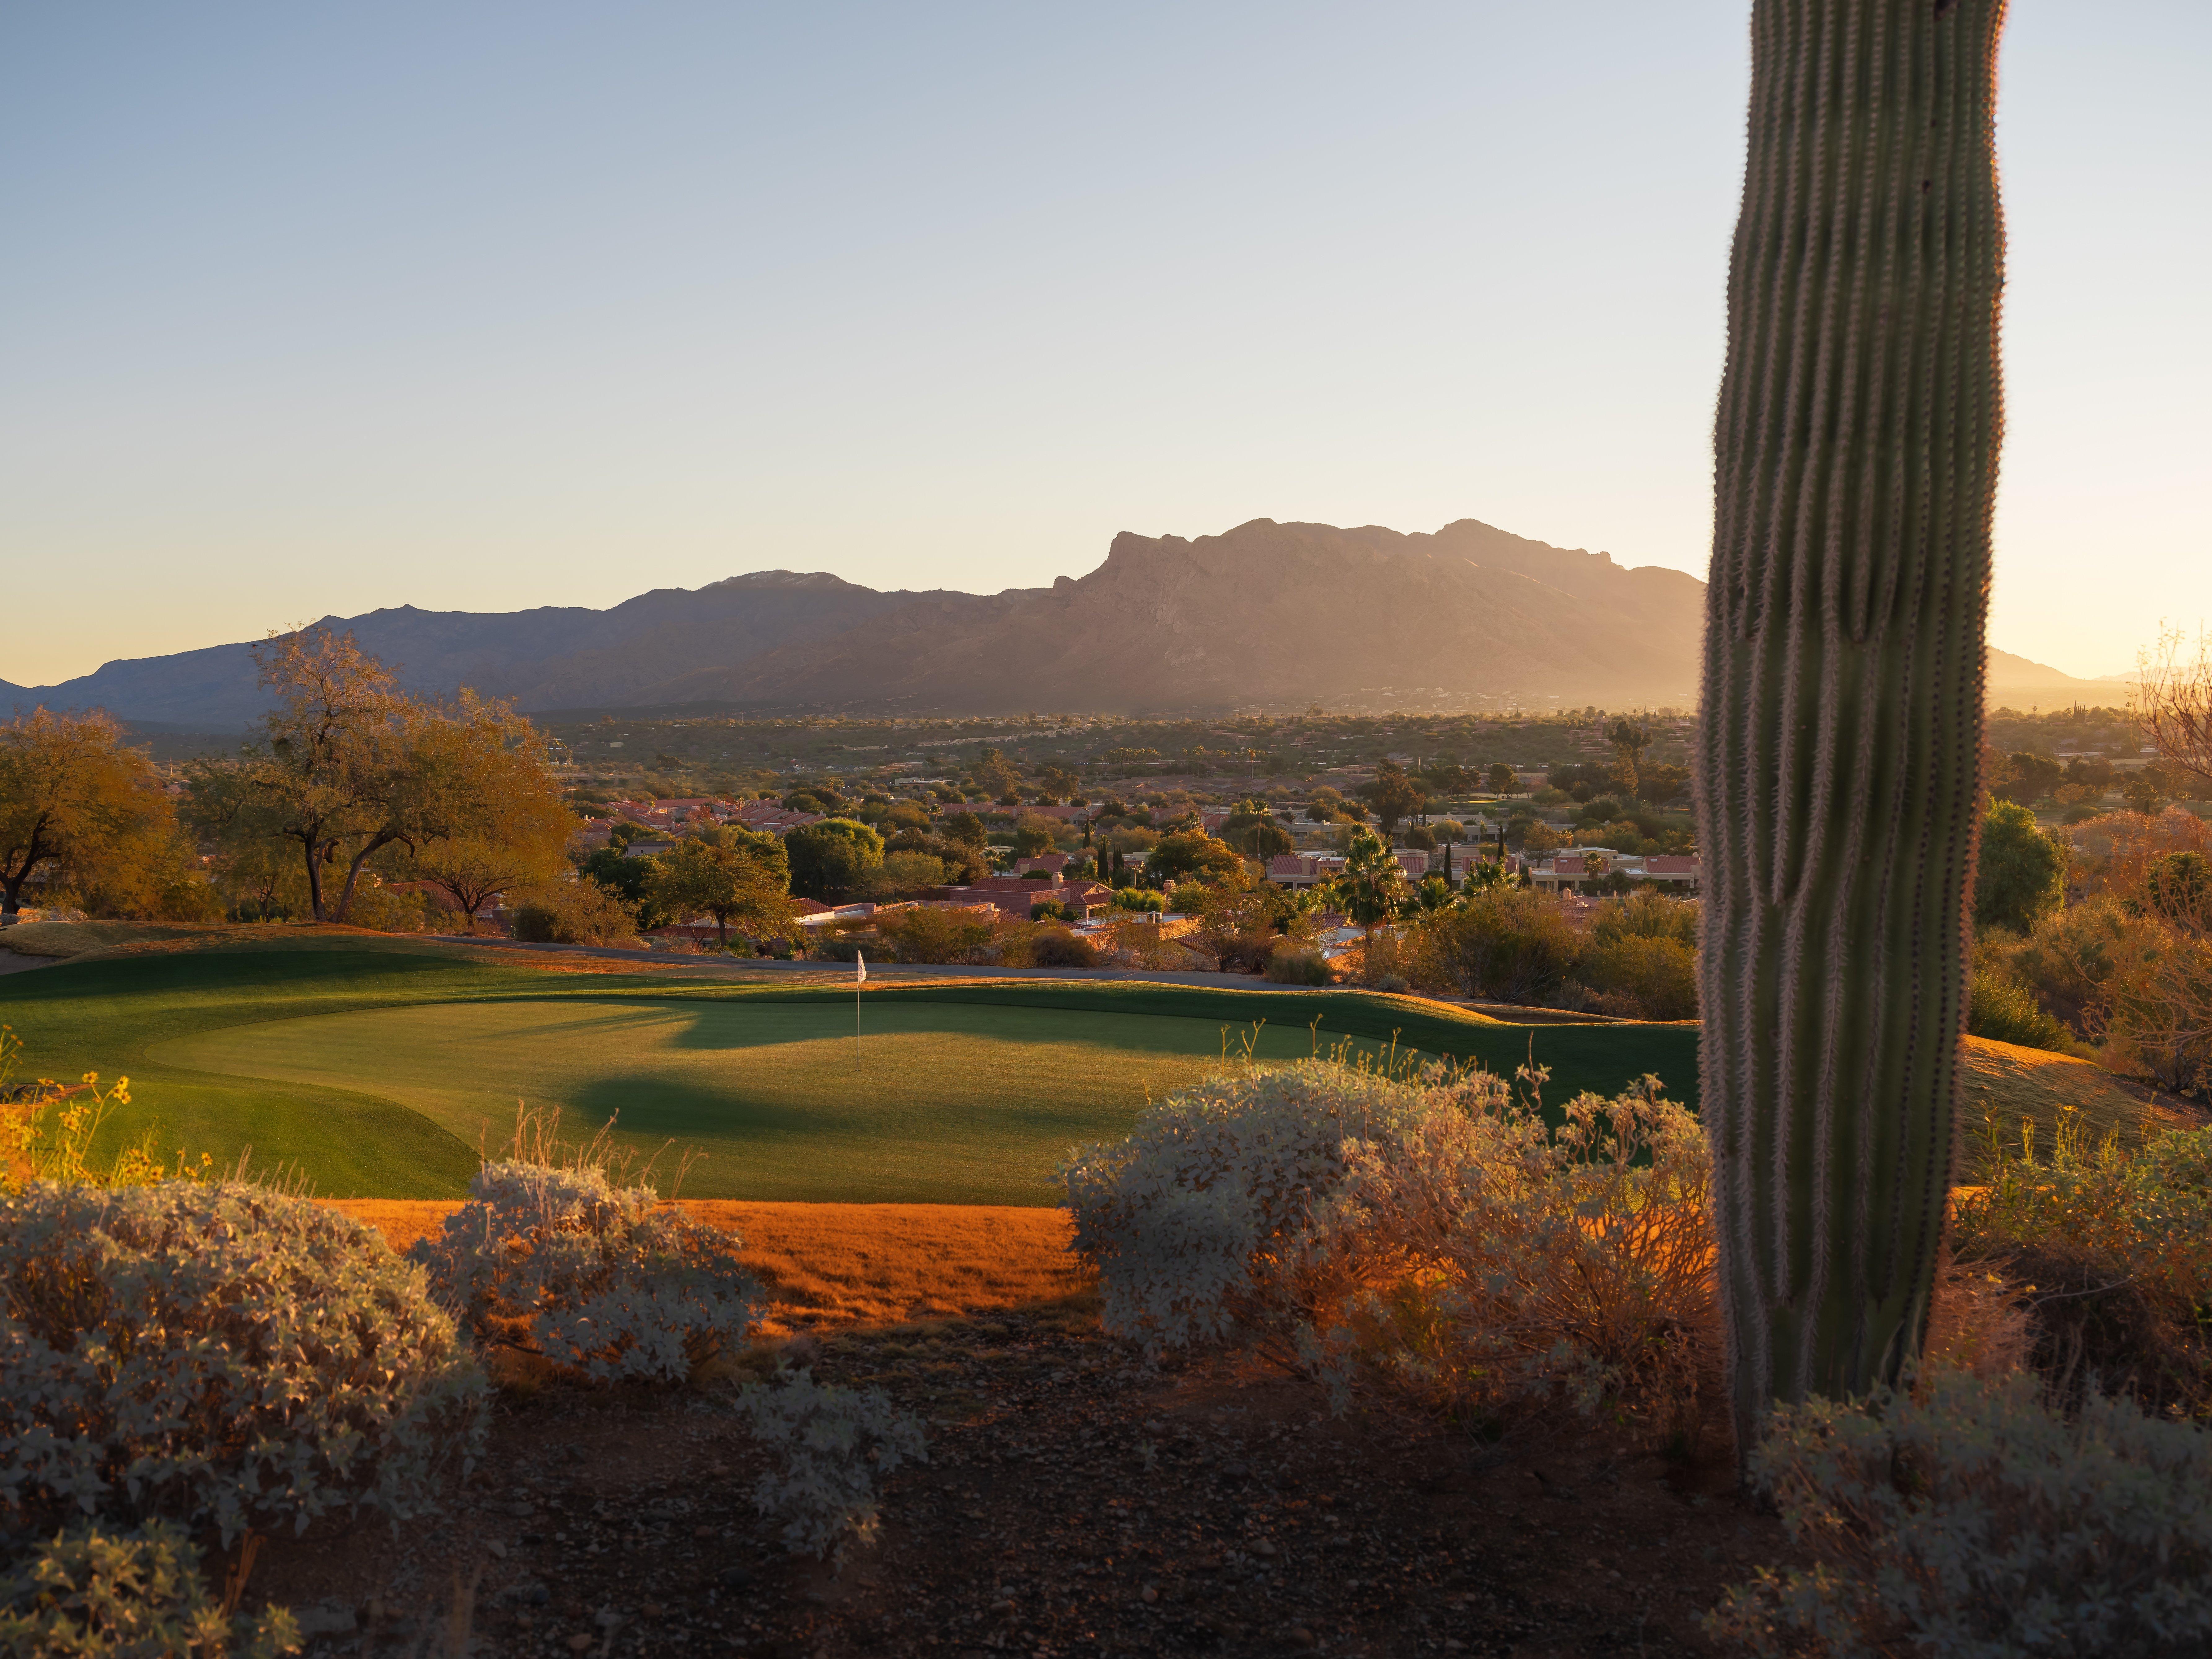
(310, 310)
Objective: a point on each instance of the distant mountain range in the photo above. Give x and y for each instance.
(1265, 616)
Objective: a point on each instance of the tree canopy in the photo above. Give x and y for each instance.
(2022, 869)
(71, 797)
(829, 860)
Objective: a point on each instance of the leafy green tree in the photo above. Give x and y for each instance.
(2022, 871)
(1059, 783)
(1393, 795)
(1035, 834)
(2142, 795)
(1193, 855)
(1503, 779)
(2026, 777)
(831, 859)
(1257, 837)
(730, 873)
(967, 829)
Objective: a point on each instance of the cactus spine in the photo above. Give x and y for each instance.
(1855, 465)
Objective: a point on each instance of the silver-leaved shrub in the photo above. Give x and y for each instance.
(96, 1592)
(1971, 1519)
(1434, 1230)
(219, 1354)
(1200, 1222)
(834, 1445)
(601, 1277)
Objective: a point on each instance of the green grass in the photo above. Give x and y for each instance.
(375, 1065)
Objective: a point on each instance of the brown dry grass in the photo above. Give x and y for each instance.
(854, 1264)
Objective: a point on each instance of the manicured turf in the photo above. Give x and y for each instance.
(375, 1065)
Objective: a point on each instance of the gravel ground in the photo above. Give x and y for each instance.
(1076, 1501)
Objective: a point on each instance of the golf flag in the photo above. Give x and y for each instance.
(862, 962)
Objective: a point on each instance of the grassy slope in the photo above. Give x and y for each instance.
(374, 1062)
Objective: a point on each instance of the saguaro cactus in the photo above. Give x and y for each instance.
(1855, 465)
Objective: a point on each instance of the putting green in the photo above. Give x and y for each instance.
(374, 1065)
(958, 1104)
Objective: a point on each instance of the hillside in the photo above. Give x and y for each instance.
(1265, 615)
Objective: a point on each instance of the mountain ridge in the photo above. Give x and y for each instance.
(1263, 615)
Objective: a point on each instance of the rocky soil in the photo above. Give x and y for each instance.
(1076, 1501)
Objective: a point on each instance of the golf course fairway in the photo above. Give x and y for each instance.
(375, 1066)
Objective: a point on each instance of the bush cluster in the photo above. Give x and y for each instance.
(1431, 1230)
(834, 1445)
(2118, 1247)
(1638, 960)
(592, 1274)
(1972, 1518)
(94, 1590)
(219, 1355)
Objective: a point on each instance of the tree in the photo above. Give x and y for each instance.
(730, 873)
(2022, 870)
(2141, 794)
(1192, 855)
(1503, 779)
(2172, 702)
(1371, 889)
(1060, 784)
(1257, 837)
(830, 859)
(2026, 777)
(993, 775)
(1393, 795)
(966, 829)
(71, 795)
(346, 766)
(1837, 765)
(1630, 739)
(1034, 833)
(506, 827)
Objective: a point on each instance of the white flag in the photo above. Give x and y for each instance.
(860, 962)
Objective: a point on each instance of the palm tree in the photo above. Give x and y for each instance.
(1371, 890)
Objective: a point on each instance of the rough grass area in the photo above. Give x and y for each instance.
(848, 1264)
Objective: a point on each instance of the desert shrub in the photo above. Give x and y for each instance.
(1055, 947)
(574, 913)
(1301, 965)
(1432, 1231)
(1186, 1217)
(590, 1272)
(2068, 956)
(834, 1445)
(1506, 946)
(2000, 1007)
(1654, 976)
(95, 1592)
(929, 934)
(1646, 915)
(219, 1354)
(2118, 1245)
(1972, 1518)
(1393, 983)
(828, 946)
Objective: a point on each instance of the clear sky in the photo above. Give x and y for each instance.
(309, 309)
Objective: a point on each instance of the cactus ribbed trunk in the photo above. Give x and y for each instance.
(1856, 453)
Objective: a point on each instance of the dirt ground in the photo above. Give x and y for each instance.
(1076, 1501)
